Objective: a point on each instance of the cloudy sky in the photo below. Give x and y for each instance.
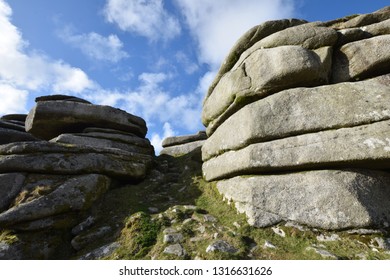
(152, 58)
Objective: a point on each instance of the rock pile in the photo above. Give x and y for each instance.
(12, 129)
(180, 145)
(68, 157)
(298, 120)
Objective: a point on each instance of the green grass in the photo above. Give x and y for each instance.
(141, 233)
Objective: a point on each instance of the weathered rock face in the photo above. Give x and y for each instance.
(49, 119)
(293, 112)
(180, 145)
(12, 129)
(47, 187)
(330, 199)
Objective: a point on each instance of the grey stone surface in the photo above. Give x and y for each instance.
(175, 249)
(6, 124)
(14, 117)
(362, 59)
(10, 185)
(310, 36)
(302, 110)
(85, 140)
(84, 239)
(60, 97)
(11, 136)
(49, 119)
(366, 146)
(53, 158)
(75, 194)
(330, 199)
(119, 137)
(221, 246)
(184, 139)
(173, 237)
(366, 19)
(182, 149)
(248, 39)
(101, 252)
(266, 71)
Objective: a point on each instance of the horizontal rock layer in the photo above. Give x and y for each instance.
(52, 158)
(178, 140)
(182, 149)
(365, 146)
(302, 110)
(48, 119)
(74, 194)
(297, 54)
(330, 199)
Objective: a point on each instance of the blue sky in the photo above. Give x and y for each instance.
(152, 58)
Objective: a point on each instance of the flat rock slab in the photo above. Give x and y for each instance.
(10, 185)
(362, 59)
(85, 139)
(75, 194)
(302, 110)
(263, 72)
(14, 117)
(247, 40)
(60, 97)
(329, 199)
(53, 158)
(184, 139)
(182, 149)
(366, 146)
(48, 119)
(11, 136)
(12, 125)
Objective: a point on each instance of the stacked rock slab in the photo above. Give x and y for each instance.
(299, 123)
(181, 145)
(12, 129)
(50, 180)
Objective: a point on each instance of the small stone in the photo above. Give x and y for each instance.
(209, 218)
(237, 225)
(363, 231)
(221, 246)
(175, 249)
(323, 253)
(201, 229)
(216, 235)
(324, 238)
(83, 225)
(382, 243)
(268, 244)
(279, 231)
(173, 238)
(169, 230)
(101, 252)
(153, 210)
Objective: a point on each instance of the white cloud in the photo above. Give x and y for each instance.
(12, 100)
(217, 25)
(22, 70)
(95, 46)
(189, 66)
(157, 140)
(145, 17)
(153, 103)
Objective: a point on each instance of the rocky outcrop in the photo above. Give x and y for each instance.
(12, 129)
(72, 154)
(181, 145)
(293, 113)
